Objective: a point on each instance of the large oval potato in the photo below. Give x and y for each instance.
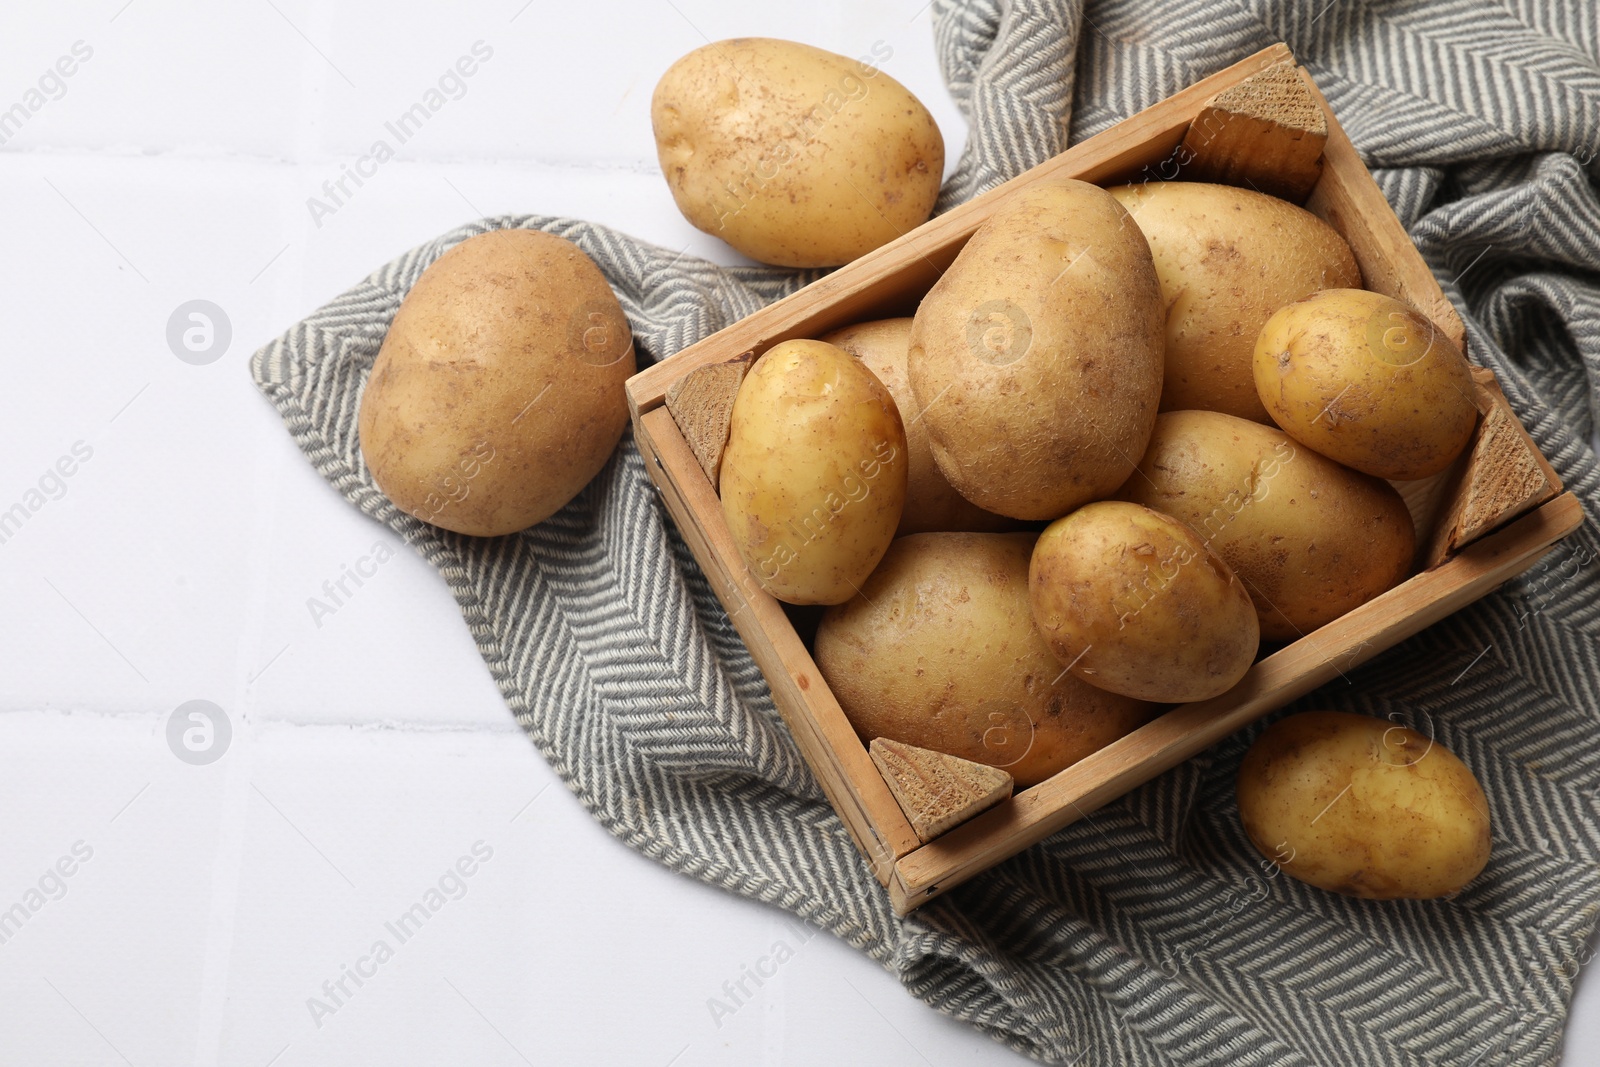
(940, 651)
(1227, 259)
(498, 392)
(931, 501)
(1361, 806)
(1368, 381)
(814, 474)
(1132, 601)
(793, 155)
(1309, 538)
(1036, 358)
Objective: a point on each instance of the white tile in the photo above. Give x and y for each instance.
(213, 908)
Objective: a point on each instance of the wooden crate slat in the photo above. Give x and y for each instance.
(701, 403)
(1267, 133)
(937, 790)
(1502, 475)
(1349, 200)
(824, 735)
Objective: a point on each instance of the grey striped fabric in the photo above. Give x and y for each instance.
(1151, 933)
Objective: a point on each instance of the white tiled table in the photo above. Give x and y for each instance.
(208, 905)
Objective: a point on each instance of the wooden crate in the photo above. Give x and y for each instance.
(1260, 122)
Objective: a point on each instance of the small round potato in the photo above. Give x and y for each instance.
(1368, 381)
(931, 502)
(1310, 539)
(795, 156)
(1228, 258)
(498, 392)
(814, 475)
(1133, 602)
(941, 652)
(1036, 358)
(1361, 806)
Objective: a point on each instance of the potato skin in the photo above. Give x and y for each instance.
(1133, 602)
(941, 652)
(931, 501)
(498, 392)
(1310, 539)
(1367, 381)
(814, 475)
(795, 156)
(1360, 806)
(1227, 259)
(1036, 358)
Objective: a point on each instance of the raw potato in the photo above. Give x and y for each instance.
(1036, 358)
(793, 155)
(1133, 602)
(1368, 381)
(1361, 806)
(498, 392)
(814, 475)
(1310, 539)
(1228, 258)
(931, 502)
(941, 652)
